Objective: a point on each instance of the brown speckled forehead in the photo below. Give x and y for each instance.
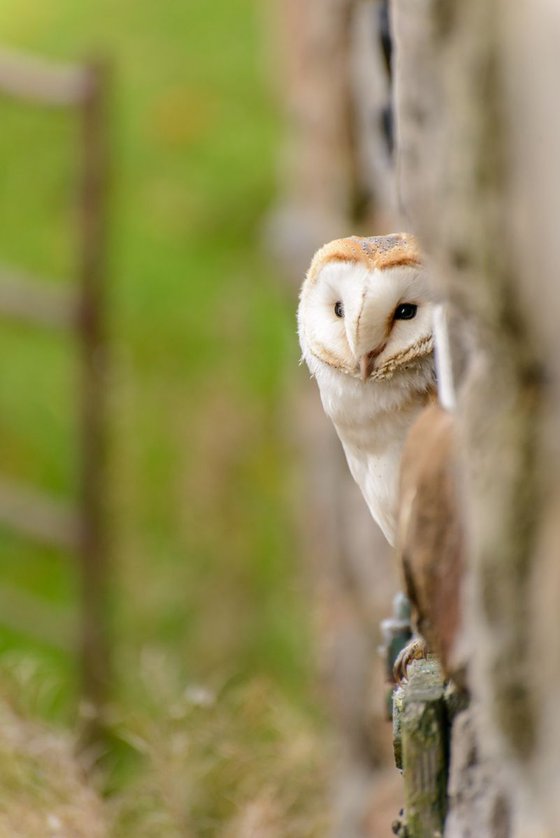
(373, 252)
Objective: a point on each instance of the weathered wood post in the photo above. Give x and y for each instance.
(95, 651)
(421, 747)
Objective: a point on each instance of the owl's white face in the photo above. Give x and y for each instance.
(365, 327)
(368, 323)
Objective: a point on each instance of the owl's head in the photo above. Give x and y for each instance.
(366, 308)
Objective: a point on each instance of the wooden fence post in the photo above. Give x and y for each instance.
(80, 527)
(420, 729)
(94, 353)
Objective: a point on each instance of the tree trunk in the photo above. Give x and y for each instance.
(478, 135)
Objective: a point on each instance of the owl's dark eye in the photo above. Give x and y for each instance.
(339, 309)
(406, 311)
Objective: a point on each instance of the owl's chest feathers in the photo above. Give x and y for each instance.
(373, 418)
(372, 427)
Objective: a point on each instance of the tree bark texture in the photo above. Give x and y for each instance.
(336, 174)
(478, 136)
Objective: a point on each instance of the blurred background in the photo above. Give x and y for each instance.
(246, 581)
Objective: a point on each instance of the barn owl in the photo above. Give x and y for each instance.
(365, 328)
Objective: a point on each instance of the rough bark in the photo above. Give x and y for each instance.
(477, 806)
(336, 174)
(478, 136)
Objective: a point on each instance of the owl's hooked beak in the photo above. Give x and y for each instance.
(366, 330)
(367, 362)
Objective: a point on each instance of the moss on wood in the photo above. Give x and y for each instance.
(421, 721)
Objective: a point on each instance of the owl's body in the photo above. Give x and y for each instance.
(365, 326)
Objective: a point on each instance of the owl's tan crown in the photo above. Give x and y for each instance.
(374, 252)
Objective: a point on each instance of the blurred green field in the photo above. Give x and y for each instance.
(208, 585)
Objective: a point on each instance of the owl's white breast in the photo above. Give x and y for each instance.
(376, 470)
(372, 421)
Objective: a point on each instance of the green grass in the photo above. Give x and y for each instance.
(207, 576)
